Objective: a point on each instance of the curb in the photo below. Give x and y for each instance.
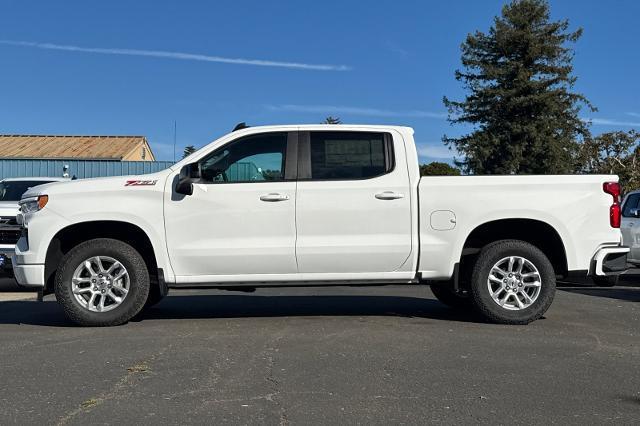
(12, 297)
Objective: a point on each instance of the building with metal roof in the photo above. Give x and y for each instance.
(104, 148)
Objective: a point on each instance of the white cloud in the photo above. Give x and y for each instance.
(341, 109)
(634, 114)
(435, 150)
(392, 47)
(178, 55)
(612, 122)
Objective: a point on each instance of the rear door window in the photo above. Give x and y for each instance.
(349, 155)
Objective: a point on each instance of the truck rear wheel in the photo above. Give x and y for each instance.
(512, 282)
(102, 282)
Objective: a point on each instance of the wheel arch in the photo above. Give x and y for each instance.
(536, 232)
(71, 235)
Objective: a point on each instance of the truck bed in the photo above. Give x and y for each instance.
(451, 207)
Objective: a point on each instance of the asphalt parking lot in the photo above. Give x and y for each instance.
(324, 356)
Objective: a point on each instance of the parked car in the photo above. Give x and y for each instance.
(630, 228)
(631, 225)
(316, 205)
(11, 190)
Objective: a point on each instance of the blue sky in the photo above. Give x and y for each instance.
(133, 67)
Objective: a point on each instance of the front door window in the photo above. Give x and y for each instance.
(257, 158)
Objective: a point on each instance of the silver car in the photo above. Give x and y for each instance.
(630, 228)
(630, 225)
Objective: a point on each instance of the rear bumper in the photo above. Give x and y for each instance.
(609, 261)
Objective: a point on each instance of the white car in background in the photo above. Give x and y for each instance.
(11, 190)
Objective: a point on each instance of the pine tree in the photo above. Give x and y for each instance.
(524, 114)
(332, 120)
(188, 150)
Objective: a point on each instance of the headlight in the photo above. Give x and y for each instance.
(33, 204)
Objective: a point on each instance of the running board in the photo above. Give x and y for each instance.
(245, 286)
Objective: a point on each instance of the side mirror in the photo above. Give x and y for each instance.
(188, 174)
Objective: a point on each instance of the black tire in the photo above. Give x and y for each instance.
(607, 281)
(138, 282)
(482, 300)
(444, 293)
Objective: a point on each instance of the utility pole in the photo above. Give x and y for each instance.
(175, 131)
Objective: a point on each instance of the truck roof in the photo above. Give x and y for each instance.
(324, 127)
(250, 130)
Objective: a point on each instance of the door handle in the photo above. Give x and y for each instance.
(273, 197)
(389, 195)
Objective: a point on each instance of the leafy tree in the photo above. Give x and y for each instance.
(188, 150)
(613, 153)
(520, 102)
(271, 174)
(438, 168)
(332, 120)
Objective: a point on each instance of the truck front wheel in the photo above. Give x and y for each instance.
(102, 282)
(512, 282)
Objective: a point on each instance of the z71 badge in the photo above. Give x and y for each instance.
(140, 182)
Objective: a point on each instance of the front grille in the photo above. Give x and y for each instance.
(8, 220)
(10, 235)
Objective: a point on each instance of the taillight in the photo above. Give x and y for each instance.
(613, 189)
(614, 215)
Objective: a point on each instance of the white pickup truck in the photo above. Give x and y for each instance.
(315, 205)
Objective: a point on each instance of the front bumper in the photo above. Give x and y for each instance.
(609, 261)
(6, 252)
(31, 276)
(7, 249)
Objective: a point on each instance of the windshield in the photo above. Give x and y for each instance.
(13, 190)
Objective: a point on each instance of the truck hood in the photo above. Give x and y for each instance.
(94, 185)
(8, 208)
